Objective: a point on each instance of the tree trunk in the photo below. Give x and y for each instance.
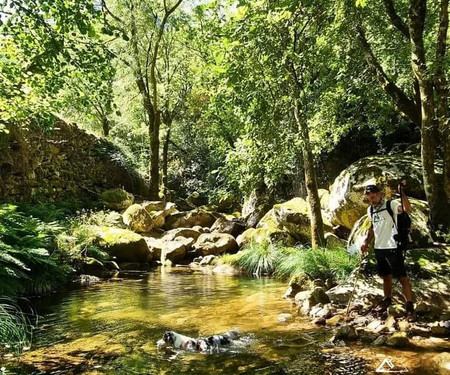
(165, 159)
(317, 234)
(154, 159)
(105, 125)
(442, 92)
(433, 190)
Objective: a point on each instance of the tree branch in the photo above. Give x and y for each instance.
(406, 105)
(395, 18)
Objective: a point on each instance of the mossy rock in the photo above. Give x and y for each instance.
(122, 244)
(347, 204)
(117, 199)
(265, 235)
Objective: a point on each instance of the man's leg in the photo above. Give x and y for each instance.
(387, 286)
(406, 288)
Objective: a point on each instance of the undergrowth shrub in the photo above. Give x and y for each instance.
(29, 262)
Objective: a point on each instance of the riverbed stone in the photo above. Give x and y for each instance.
(346, 333)
(335, 320)
(174, 250)
(380, 340)
(319, 295)
(442, 360)
(398, 340)
(285, 318)
(207, 260)
(403, 326)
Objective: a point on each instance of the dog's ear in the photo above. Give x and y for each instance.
(169, 337)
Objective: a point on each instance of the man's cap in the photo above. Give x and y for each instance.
(371, 189)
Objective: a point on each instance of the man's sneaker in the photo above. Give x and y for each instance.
(410, 313)
(383, 305)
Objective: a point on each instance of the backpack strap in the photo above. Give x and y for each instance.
(389, 209)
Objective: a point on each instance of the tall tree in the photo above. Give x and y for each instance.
(425, 101)
(143, 26)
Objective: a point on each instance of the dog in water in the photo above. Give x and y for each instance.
(176, 340)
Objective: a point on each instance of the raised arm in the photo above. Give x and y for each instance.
(404, 198)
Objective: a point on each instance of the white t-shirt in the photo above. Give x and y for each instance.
(384, 227)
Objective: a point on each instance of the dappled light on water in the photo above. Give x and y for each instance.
(113, 326)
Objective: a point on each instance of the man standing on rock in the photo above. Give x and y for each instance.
(390, 259)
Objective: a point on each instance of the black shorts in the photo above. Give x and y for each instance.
(390, 262)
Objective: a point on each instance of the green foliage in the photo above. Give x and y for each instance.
(257, 259)
(323, 264)
(290, 262)
(28, 262)
(15, 327)
(80, 239)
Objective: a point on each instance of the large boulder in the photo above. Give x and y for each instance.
(190, 219)
(176, 249)
(223, 225)
(346, 203)
(147, 216)
(265, 235)
(117, 199)
(215, 243)
(122, 244)
(420, 232)
(293, 217)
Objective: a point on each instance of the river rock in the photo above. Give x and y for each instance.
(320, 296)
(346, 333)
(124, 245)
(285, 318)
(442, 360)
(403, 326)
(215, 243)
(225, 269)
(265, 235)
(208, 260)
(294, 217)
(380, 340)
(398, 340)
(333, 242)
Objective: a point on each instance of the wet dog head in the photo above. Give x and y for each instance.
(167, 340)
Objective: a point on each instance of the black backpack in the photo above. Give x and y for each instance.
(403, 225)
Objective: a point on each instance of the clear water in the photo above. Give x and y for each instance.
(112, 328)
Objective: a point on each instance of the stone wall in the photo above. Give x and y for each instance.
(60, 163)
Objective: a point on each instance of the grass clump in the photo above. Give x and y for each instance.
(323, 264)
(290, 262)
(15, 327)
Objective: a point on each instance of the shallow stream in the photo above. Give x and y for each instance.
(112, 328)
